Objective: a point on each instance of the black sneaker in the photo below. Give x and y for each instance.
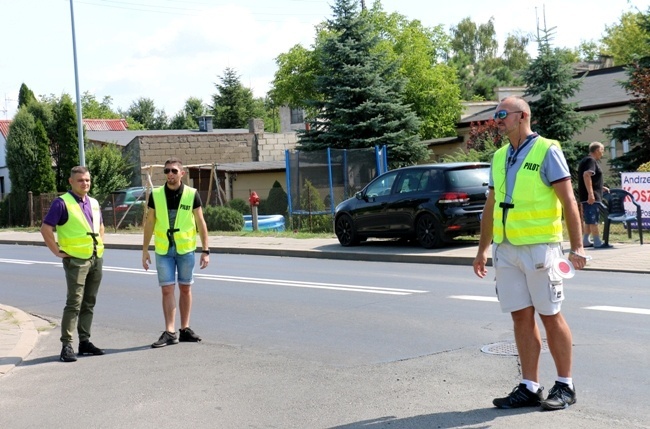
(188, 335)
(88, 348)
(520, 397)
(67, 354)
(166, 339)
(559, 397)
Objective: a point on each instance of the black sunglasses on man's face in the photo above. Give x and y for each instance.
(170, 170)
(502, 114)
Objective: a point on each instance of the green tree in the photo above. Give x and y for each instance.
(64, 143)
(589, 50)
(232, 105)
(266, 109)
(186, 119)
(29, 163)
(474, 51)
(515, 54)
(550, 80)
(431, 87)
(626, 41)
(93, 109)
(43, 179)
(109, 171)
(25, 96)
(294, 81)
(311, 202)
(144, 111)
(277, 202)
(362, 105)
(636, 129)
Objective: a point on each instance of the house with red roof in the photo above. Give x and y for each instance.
(90, 125)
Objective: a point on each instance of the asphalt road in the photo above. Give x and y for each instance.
(307, 343)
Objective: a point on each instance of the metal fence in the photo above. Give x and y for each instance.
(318, 181)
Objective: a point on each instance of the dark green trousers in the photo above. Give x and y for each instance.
(83, 277)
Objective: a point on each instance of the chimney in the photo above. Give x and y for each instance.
(205, 124)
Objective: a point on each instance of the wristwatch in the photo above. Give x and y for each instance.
(207, 252)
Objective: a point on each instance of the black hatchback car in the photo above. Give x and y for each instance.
(430, 203)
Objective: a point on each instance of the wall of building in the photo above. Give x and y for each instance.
(607, 119)
(4, 171)
(272, 147)
(259, 181)
(192, 149)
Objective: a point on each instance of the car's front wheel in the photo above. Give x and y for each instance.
(344, 230)
(428, 232)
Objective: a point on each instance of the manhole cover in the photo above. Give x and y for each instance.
(507, 348)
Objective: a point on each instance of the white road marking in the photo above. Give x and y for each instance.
(312, 285)
(631, 310)
(475, 298)
(24, 262)
(251, 280)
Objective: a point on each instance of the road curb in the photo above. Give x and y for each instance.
(26, 334)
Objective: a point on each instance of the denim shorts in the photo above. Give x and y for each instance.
(171, 263)
(590, 212)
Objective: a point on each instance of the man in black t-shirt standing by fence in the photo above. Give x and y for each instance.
(590, 194)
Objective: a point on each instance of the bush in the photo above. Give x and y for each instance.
(645, 167)
(240, 205)
(314, 220)
(277, 202)
(219, 218)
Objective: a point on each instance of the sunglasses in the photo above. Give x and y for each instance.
(502, 114)
(170, 170)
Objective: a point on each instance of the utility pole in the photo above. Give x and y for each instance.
(80, 130)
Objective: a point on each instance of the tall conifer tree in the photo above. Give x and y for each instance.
(362, 105)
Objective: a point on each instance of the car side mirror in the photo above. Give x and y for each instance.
(359, 195)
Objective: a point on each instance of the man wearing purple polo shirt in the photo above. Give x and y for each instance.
(76, 217)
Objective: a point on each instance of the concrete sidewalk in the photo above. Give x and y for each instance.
(18, 333)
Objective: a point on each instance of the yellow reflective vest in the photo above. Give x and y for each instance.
(537, 213)
(184, 230)
(75, 237)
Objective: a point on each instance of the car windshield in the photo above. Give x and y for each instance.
(468, 178)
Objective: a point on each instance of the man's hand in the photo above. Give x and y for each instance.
(146, 260)
(479, 264)
(205, 260)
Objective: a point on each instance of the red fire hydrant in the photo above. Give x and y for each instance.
(254, 201)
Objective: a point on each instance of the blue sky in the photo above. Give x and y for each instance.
(169, 50)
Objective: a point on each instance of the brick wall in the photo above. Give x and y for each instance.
(271, 146)
(195, 148)
(205, 148)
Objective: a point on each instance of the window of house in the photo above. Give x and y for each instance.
(618, 148)
(297, 116)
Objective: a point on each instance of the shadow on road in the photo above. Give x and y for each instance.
(52, 358)
(446, 420)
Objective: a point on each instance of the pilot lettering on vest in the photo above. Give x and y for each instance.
(185, 207)
(531, 166)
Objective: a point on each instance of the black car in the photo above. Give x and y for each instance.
(431, 203)
(124, 207)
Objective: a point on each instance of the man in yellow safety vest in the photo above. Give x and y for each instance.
(174, 214)
(529, 189)
(80, 232)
